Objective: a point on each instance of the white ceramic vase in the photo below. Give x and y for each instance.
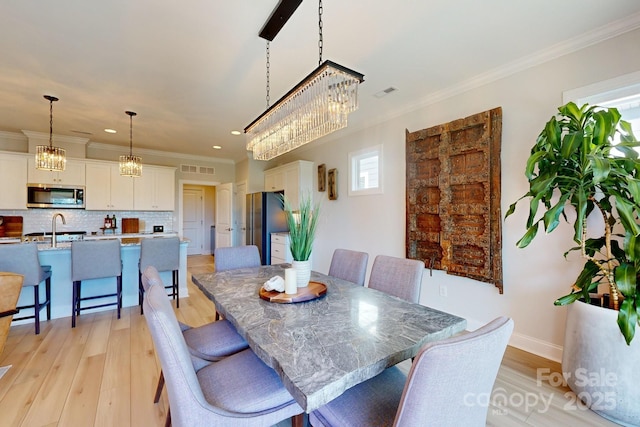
(303, 272)
(599, 366)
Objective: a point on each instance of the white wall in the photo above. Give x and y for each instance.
(533, 277)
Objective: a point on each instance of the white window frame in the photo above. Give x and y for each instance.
(604, 91)
(354, 158)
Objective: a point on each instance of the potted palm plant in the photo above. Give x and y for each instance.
(585, 159)
(302, 225)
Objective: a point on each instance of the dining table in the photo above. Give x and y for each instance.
(323, 346)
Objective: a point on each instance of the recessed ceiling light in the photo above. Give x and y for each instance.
(236, 132)
(110, 130)
(217, 147)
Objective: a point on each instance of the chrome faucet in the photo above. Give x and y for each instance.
(53, 228)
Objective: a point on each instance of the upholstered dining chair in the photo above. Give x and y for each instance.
(23, 259)
(235, 257)
(95, 259)
(164, 254)
(400, 277)
(448, 386)
(238, 391)
(349, 265)
(10, 287)
(207, 343)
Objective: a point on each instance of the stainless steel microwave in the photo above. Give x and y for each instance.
(55, 196)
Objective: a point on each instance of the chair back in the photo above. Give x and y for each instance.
(161, 252)
(450, 380)
(10, 287)
(22, 259)
(95, 259)
(150, 277)
(400, 277)
(232, 258)
(349, 265)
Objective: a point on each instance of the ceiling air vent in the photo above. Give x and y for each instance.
(203, 170)
(385, 92)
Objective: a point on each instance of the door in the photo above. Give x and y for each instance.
(240, 215)
(224, 215)
(192, 222)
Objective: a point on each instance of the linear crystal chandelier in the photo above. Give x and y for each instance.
(130, 165)
(48, 157)
(315, 107)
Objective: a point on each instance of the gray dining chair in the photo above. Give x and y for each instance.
(210, 342)
(349, 265)
(238, 391)
(400, 277)
(23, 259)
(448, 386)
(95, 259)
(164, 254)
(235, 257)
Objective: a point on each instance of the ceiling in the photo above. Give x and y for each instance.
(194, 71)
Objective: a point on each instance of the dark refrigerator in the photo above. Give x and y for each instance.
(265, 215)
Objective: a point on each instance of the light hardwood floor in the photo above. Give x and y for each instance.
(104, 373)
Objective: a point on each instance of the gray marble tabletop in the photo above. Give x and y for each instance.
(322, 347)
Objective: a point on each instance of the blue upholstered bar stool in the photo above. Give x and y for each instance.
(95, 259)
(23, 259)
(163, 253)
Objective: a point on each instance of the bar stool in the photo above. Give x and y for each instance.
(163, 253)
(95, 259)
(23, 259)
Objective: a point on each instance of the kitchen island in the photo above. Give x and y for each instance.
(59, 258)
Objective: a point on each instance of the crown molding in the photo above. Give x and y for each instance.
(158, 153)
(58, 138)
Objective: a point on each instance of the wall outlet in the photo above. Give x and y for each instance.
(443, 290)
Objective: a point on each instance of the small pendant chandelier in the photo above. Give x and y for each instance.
(48, 157)
(130, 165)
(315, 107)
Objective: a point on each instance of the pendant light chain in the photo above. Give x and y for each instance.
(50, 122)
(130, 134)
(268, 67)
(320, 41)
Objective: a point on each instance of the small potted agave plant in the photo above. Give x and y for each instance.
(586, 159)
(302, 225)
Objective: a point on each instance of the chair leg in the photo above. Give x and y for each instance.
(47, 288)
(156, 399)
(74, 304)
(119, 294)
(36, 307)
(140, 292)
(176, 288)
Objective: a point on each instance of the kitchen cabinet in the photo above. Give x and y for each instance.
(106, 189)
(154, 190)
(295, 179)
(280, 250)
(73, 174)
(13, 176)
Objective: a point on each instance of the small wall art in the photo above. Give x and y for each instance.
(322, 177)
(333, 184)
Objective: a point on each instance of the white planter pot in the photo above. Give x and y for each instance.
(599, 366)
(303, 272)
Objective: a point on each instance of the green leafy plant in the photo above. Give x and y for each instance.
(577, 162)
(302, 227)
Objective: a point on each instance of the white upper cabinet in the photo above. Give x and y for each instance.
(295, 178)
(106, 189)
(155, 189)
(73, 174)
(13, 173)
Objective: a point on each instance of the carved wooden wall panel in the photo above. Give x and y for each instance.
(453, 196)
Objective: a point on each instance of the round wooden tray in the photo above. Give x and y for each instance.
(311, 292)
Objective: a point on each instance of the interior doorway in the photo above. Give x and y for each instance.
(196, 216)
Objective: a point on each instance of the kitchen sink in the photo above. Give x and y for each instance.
(62, 236)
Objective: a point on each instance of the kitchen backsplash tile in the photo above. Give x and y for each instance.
(37, 220)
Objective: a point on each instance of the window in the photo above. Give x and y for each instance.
(365, 171)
